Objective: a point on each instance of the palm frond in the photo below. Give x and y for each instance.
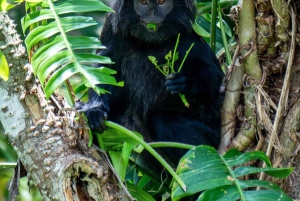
(59, 55)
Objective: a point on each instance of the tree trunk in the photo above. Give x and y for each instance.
(52, 151)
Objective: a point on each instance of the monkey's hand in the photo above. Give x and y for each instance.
(96, 116)
(176, 83)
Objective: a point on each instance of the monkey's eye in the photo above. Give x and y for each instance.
(144, 2)
(160, 2)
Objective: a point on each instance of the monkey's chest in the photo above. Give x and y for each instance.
(144, 84)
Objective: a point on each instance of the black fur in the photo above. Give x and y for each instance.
(149, 103)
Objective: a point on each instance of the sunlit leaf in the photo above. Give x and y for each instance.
(4, 68)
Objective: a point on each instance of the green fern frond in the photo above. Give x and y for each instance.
(58, 55)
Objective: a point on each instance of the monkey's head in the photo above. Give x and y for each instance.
(153, 21)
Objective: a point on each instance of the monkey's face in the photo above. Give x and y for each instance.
(153, 21)
(152, 13)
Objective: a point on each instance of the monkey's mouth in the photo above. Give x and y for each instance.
(151, 27)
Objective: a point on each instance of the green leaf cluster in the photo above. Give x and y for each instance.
(60, 55)
(169, 66)
(202, 169)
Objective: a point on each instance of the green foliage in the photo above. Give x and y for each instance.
(203, 170)
(220, 32)
(138, 194)
(4, 69)
(126, 151)
(60, 56)
(169, 67)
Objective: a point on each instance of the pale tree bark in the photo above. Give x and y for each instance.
(53, 152)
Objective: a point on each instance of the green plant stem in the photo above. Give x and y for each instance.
(225, 44)
(182, 96)
(7, 165)
(170, 144)
(174, 54)
(91, 137)
(100, 141)
(184, 100)
(207, 9)
(213, 25)
(236, 181)
(185, 56)
(149, 149)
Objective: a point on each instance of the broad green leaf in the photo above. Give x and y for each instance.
(76, 6)
(126, 151)
(274, 172)
(92, 58)
(35, 17)
(59, 77)
(69, 6)
(118, 163)
(6, 5)
(137, 193)
(200, 31)
(68, 24)
(4, 68)
(144, 181)
(266, 195)
(101, 75)
(259, 183)
(249, 156)
(113, 137)
(51, 64)
(57, 58)
(52, 47)
(204, 23)
(232, 154)
(229, 193)
(201, 168)
(97, 89)
(81, 92)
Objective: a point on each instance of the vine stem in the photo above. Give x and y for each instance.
(149, 149)
(171, 144)
(185, 56)
(174, 54)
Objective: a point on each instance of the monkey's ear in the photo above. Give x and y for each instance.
(118, 5)
(190, 4)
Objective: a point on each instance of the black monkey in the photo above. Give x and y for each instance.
(149, 102)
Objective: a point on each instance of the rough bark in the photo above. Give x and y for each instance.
(52, 151)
